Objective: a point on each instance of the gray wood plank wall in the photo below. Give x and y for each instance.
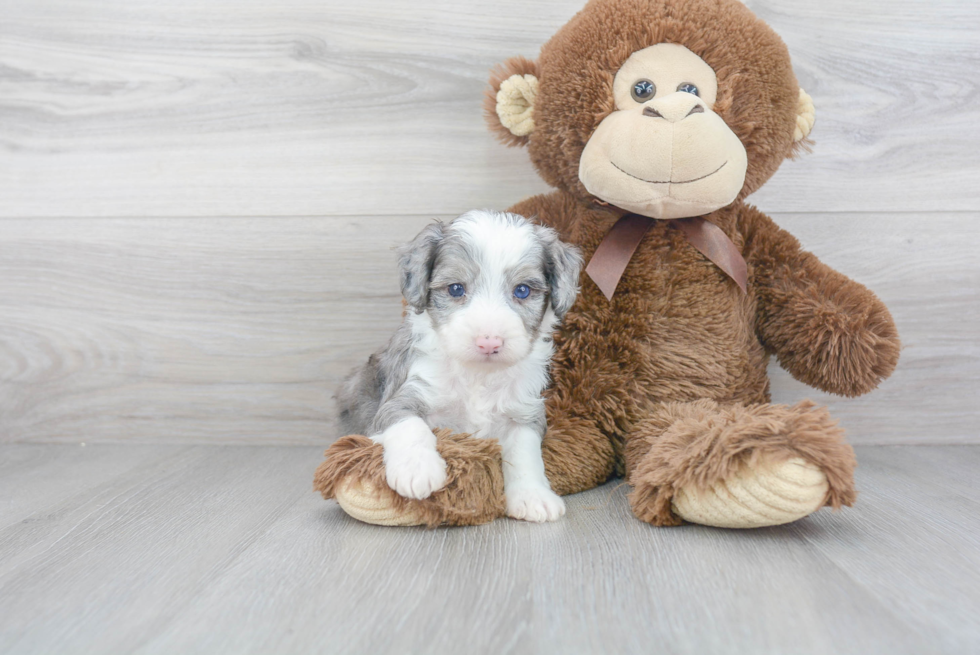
(198, 199)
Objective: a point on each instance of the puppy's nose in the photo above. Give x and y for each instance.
(489, 345)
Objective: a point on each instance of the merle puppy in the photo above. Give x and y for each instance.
(485, 293)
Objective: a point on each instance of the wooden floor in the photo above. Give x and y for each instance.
(209, 549)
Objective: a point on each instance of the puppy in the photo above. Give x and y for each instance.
(484, 293)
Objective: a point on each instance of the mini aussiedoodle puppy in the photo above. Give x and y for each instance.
(484, 293)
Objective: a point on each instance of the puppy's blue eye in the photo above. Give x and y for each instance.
(522, 291)
(456, 290)
(687, 87)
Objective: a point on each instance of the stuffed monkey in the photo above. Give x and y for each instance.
(654, 120)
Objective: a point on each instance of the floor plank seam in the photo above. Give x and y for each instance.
(217, 571)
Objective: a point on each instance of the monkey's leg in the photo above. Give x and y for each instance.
(354, 474)
(737, 466)
(576, 456)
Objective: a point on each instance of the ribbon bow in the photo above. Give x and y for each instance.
(614, 253)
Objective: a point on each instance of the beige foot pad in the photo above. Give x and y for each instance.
(361, 501)
(768, 493)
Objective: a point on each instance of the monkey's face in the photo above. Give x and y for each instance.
(664, 152)
(667, 108)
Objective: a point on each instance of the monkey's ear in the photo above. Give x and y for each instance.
(805, 117)
(509, 101)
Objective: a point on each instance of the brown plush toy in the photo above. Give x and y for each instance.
(654, 119)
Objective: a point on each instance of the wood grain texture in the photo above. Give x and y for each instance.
(306, 107)
(226, 550)
(239, 330)
(217, 499)
(908, 497)
(219, 330)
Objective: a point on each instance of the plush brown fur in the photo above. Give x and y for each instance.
(701, 442)
(474, 491)
(678, 330)
(667, 382)
(758, 92)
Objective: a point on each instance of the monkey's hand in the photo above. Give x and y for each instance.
(826, 329)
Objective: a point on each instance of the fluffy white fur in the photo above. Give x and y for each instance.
(488, 395)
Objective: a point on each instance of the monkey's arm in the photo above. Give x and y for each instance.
(826, 329)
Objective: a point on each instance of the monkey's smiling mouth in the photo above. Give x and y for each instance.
(667, 181)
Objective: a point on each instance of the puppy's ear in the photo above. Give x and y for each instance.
(563, 263)
(415, 261)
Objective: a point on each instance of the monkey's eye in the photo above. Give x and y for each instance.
(687, 87)
(522, 291)
(456, 290)
(643, 90)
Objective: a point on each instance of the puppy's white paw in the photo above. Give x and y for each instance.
(537, 504)
(415, 472)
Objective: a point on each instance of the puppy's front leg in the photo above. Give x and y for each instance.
(413, 466)
(529, 496)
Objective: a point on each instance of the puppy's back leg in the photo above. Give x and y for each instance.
(359, 398)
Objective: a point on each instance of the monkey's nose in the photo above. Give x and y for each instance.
(675, 107)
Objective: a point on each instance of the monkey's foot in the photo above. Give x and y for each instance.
(737, 466)
(354, 474)
(363, 501)
(768, 493)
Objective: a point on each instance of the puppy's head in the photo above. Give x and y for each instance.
(491, 282)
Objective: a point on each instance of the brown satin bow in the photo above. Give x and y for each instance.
(614, 253)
